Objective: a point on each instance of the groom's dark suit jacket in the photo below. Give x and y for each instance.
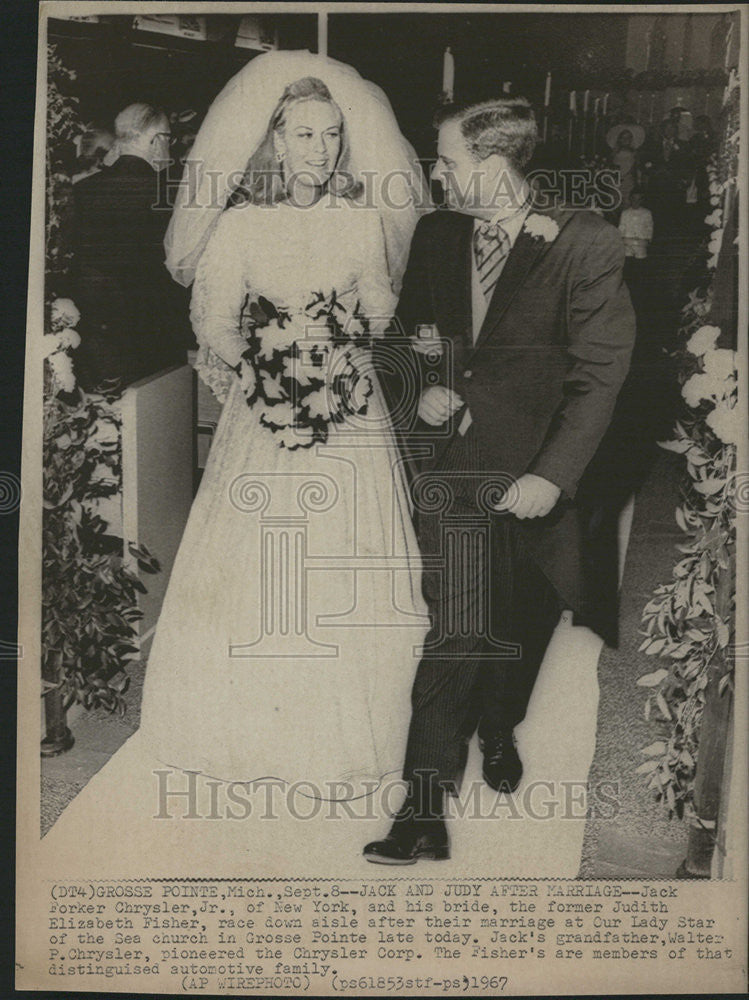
(543, 376)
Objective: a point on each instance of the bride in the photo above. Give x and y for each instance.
(293, 620)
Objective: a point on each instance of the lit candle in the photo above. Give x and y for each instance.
(573, 101)
(507, 86)
(596, 105)
(586, 97)
(448, 74)
(547, 92)
(605, 105)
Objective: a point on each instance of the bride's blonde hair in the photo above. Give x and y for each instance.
(263, 183)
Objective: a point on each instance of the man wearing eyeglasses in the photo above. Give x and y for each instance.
(134, 317)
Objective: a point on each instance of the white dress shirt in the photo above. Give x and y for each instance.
(479, 303)
(636, 227)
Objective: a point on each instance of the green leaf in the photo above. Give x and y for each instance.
(652, 680)
(655, 749)
(647, 767)
(678, 446)
(661, 703)
(724, 634)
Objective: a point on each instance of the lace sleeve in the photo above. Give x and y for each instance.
(376, 297)
(217, 298)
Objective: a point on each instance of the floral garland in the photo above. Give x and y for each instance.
(688, 622)
(300, 368)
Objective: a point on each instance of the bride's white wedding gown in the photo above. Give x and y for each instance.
(308, 718)
(293, 620)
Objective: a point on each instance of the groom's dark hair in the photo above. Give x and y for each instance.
(506, 126)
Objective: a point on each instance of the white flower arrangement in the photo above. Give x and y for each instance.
(62, 369)
(723, 423)
(715, 241)
(716, 384)
(64, 312)
(63, 317)
(541, 227)
(703, 340)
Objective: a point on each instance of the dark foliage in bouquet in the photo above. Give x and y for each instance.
(299, 368)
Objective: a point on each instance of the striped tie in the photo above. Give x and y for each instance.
(491, 245)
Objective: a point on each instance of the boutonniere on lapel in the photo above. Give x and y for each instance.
(541, 227)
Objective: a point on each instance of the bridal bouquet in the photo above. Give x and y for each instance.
(299, 367)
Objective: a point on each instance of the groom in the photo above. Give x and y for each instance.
(535, 330)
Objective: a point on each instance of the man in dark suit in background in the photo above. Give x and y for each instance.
(536, 329)
(133, 315)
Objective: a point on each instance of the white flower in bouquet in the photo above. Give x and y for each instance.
(712, 262)
(69, 339)
(281, 414)
(62, 368)
(321, 403)
(296, 368)
(360, 393)
(714, 219)
(315, 331)
(723, 422)
(247, 377)
(275, 337)
(295, 437)
(354, 328)
(720, 364)
(64, 312)
(703, 340)
(50, 344)
(272, 388)
(541, 227)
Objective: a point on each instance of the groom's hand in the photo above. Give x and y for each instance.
(437, 404)
(532, 496)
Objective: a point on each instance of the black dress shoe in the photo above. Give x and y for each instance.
(418, 831)
(502, 768)
(410, 841)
